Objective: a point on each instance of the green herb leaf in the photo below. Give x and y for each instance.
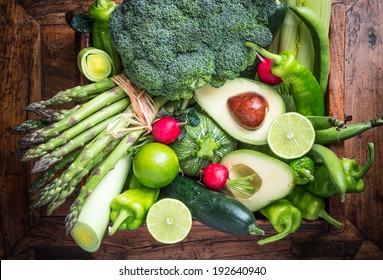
(82, 22)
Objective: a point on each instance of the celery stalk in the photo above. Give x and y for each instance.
(289, 33)
(93, 220)
(325, 12)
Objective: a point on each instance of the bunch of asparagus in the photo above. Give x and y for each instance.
(82, 142)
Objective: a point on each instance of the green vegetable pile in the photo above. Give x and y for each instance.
(181, 61)
(171, 48)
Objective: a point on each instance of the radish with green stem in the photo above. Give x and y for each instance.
(265, 74)
(215, 176)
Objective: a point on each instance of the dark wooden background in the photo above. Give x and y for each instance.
(37, 55)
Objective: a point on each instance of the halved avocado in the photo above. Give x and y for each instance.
(274, 179)
(214, 102)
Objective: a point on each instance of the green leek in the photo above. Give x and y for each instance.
(93, 220)
(95, 64)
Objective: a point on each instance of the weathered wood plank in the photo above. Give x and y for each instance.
(48, 242)
(58, 50)
(19, 84)
(336, 88)
(364, 83)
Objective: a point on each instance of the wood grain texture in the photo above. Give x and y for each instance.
(19, 85)
(336, 96)
(50, 45)
(46, 242)
(364, 84)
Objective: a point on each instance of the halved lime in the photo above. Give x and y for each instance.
(291, 135)
(169, 221)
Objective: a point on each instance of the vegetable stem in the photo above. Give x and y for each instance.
(124, 214)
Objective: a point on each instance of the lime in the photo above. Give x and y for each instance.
(169, 221)
(291, 135)
(155, 165)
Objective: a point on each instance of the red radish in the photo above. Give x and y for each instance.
(265, 74)
(166, 130)
(215, 176)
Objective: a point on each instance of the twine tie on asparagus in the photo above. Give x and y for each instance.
(140, 114)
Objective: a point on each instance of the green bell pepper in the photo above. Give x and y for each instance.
(304, 169)
(129, 209)
(354, 173)
(100, 12)
(284, 217)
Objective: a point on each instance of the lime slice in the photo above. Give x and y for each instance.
(291, 135)
(169, 221)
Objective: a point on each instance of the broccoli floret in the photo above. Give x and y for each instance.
(173, 47)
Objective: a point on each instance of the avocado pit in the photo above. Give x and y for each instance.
(248, 109)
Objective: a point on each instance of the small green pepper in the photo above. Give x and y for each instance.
(304, 169)
(100, 11)
(354, 172)
(284, 217)
(322, 185)
(129, 208)
(311, 205)
(323, 155)
(304, 88)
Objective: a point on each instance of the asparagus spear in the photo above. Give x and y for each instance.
(28, 125)
(124, 146)
(54, 115)
(51, 172)
(79, 141)
(73, 94)
(81, 127)
(86, 110)
(89, 152)
(61, 197)
(99, 173)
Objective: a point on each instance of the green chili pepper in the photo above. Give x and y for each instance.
(335, 134)
(100, 11)
(129, 208)
(311, 205)
(323, 155)
(304, 88)
(284, 217)
(324, 122)
(304, 169)
(322, 185)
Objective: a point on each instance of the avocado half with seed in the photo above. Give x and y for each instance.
(214, 101)
(273, 179)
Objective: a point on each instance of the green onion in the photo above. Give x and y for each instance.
(93, 220)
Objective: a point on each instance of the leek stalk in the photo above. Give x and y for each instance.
(93, 220)
(95, 64)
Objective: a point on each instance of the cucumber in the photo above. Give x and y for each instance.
(212, 208)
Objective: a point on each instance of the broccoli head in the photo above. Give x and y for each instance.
(173, 47)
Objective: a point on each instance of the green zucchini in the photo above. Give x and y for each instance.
(202, 144)
(212, 208)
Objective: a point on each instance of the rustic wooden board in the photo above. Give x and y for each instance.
(50, 45)
(46, 242)
(19, 84)
(364, 84)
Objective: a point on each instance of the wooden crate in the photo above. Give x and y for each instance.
(39, 55)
